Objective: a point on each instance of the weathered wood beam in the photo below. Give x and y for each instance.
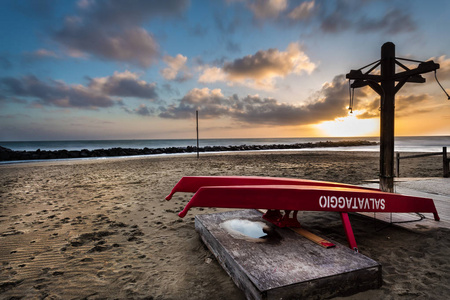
(424, 67)
(400, 84)
(357, 74)
(414, 78)
(385, 85)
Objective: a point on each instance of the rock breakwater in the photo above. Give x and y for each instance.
(11, 155)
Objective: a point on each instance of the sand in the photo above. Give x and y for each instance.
(101, 229)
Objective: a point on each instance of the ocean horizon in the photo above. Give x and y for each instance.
(402, 143)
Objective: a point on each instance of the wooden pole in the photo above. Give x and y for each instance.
(398, 164)
(387, 117)
(196, 118)
(446, 162)
(387, 90)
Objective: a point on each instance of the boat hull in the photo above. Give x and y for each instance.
(293, 195)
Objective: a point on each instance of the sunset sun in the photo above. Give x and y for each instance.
(349, 126)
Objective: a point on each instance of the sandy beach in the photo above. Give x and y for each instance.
(101, 229)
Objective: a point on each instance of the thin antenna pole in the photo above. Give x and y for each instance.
(196, 118)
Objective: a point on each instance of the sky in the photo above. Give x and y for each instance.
(140, 69)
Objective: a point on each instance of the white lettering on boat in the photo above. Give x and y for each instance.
(352, 203)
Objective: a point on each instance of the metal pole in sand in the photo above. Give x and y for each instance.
(196, 118)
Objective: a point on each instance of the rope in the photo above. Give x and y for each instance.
(351, 92)
(411, 221)
(369, 64)
(435, 73)
(412, 60)
(435, 76)
(421, 217)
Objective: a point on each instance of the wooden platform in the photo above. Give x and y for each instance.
(437, 189)
(283, 264)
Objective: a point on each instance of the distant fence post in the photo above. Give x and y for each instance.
(446, 162)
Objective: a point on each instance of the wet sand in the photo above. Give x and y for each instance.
(101, 229)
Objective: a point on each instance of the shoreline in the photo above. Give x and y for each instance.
(7, 154)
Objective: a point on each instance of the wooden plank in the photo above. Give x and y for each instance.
(314, 238)
(309, 235)
(434, 188)
(284, 264)
(411, 221)
(446, 163)
(421, 155)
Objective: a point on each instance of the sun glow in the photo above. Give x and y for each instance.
(349, 126)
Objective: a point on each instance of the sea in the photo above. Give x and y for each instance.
(402, 143)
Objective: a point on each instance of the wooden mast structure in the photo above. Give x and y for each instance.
(385, 86)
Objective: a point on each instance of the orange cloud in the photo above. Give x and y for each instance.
(175, 66)
(261, 69)
(267, 8)
(302, 12)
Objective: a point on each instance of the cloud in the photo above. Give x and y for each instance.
(212, 103)
(99, 93)
(261, 69)
(393, 22)
(278, 10)
(134, 45)
(443, 72)
(263, 9)
(126, 13)
(302, 12)
(36, 9)
(268, 111)
(344, 15)
(335, 16)
(142, 110)
(54, 93)
(270, 63)
(5, 62)
(336, 19)
(368, 109)
(198, 30)
(212, 74)
(111, 29)
(40, 54)
(327, 104)
(125, 84)
(407, 105)
(176, 69)
(233, 47)
(168, 89)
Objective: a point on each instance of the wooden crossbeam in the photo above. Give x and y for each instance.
(424, 67)
(361, 83)
(411, 77)
(357, 74)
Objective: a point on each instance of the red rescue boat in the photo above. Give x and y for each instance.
(293, 195)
